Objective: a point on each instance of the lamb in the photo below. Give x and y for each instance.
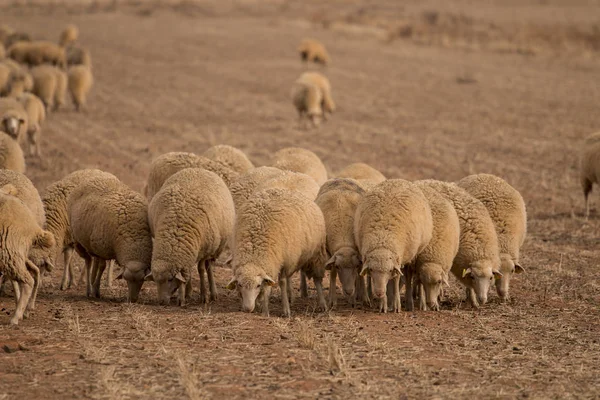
(78, 56)
(321, 81)
(314, 51)
(11, 155)
(20, 233)
(507, 210)
(167, 164)
(191, 226)
(477, 261)
(589, 167)
(362, 173)
(392, 225)
(433, 264)
(307, 99)
(36, 114)
(38, 53)
(109, 221)
(49, 84)
(276, 233)
(13, 116)
(230, 157)
(69, 35)
(301, 160)
(57, 220)
(338, 199)
(80, 82)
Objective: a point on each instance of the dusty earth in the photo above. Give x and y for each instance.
(431, 89)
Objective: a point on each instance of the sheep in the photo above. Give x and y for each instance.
(5, 78)
(307, 99)
(338, 199)
(13, 118)
(11, 155)
(167, 164)
(392, 225)
(321, 81)
(78, 56)
(190, 226)
(36, 114)
(38, 53)
(362, 173)
(507, 210)
(109, 221)
(230, 157)
(478, 259)
(57, 221)
(49, 84)
(5, 31)
(80, 82)
(246, 184)
(277, 233)
(69, 35)
(301, 160)
(20, 233)
(17, 72)
(314, 51)
(16, 37)
(589, 167)
(61, 89)
(433, 264)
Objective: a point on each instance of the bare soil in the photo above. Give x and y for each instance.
(430, 89)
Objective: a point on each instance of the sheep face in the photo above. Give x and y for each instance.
(134, 273)
(432, 277)
(42, 252)
(249, 285)
(479, 276)
(347, 265)
(168, 281)
(12, 126)
(507, 269)
(382, 265)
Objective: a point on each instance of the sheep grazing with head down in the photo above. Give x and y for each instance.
(477, 262)
(80, 81)
(338, 199)
(277, 233)
(50, 85)
(249, 182)
(301, 160)
(38, 53)
(589, 167)
(307, 98)
(321, 81)
(191, 226)
(69, 35)
(312, 50)
(230, 157)
(507, 210)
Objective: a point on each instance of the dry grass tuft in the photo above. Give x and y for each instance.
(305, 334)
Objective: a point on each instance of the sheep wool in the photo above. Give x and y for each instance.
(11, 155)
(69, 35)
(246, 184)
(301, 160)
(314, 51)
(361, 172)
(230, 157)
(307, 99)
(321, 81)
(49, 84)
(80, 81)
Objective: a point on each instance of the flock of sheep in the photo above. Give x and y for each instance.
(376, 234)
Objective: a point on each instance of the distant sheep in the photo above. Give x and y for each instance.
(230, 157)
(78, 56)
(17, 72)
(301, 160)
(589, 167)
(183, 205)
(80, 82)
(313, 51)
(277, 233)
(36, 114)
(5, 31)
(13, 118)
(11, 155)
(69, 35)
(16, 37)
(307, 98)
(38, 53)
(507, 210)
(393, 224)
(321, 81)
(49, 84)
(246, 184)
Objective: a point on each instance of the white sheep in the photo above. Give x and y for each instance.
(15, 72)
(36, 114)
(477, 261)
(277, 233)
(301, 160)
(109, 221)
(38, 53)
(321, 81)
(307, 98)
(362, 173)
(80, 81)
(507, 210)
(247, 183)
(589, 167)
(11, 155)
(314, 51)
(338, 199)
(230, 157)
(191, 219)
(433, 264)
(20, 233)
(50, 85)
(13, 118)
(167, 164)
(69, 35)
(393, 224)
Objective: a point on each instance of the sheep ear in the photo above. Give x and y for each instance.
(330, 263)
(397, 271)
(9, 189)
(180, 278)
(44, 240)
(497, 274)
(269, 281)
(466, 272)
(149, 277)
(519, 269)
(364, 271)
(232, 284)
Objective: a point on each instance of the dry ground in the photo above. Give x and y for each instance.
(434, 101)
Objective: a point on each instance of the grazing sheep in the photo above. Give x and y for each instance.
(109, 221)
(16, 37)
(307, 99)
(338, 200)
(11, 155)
(589, 167)
(36, 114)
(393, 224)
(13, 118)
(477, 261)
(69, 35)
(230, 157)
(277, 233)
(361, 172)
(167, 164)
(80, 83)
(49, 84)
(20, 233)
(507, 210)
(38, 53)
(321, 81)
(433, 264)
(314, 51)
(301, 160)
(17, 72)
(57, 220)
(191, 218)
(78, 56)
(246, 184)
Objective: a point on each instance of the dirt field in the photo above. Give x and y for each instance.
(429, 89)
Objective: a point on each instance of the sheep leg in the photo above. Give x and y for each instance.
(188, 289)
(472, 297)
(16, 290)
(290, 290)
(587, 188)
(211, 280)
(322, 305)
(396, 294)
(383, 305)
(203, 294)
(35, 272)
(366, 291)
(410, 305)
(284, 297)
(101, 266)
(1, 286)
(109, 273)
(88, 276)
(332, 287)
(266, 291)
(369, 287)
(26, 290)
(67, 277)
(183, 292)
(303, 285)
